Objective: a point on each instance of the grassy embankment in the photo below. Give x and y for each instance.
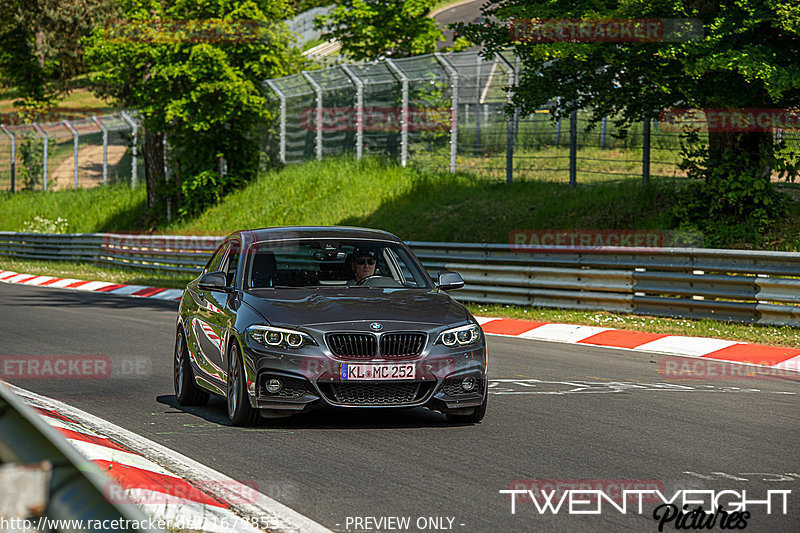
(412, 204)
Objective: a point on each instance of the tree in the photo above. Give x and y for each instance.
(195, 72)
(747, 57)
(40, 50)
(368, 29)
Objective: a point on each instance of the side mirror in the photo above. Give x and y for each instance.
(212, 281)
(450, 280)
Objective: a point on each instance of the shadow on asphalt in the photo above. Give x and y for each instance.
(321, 418)
(49, 297)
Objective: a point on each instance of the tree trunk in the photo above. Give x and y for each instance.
(755, 148)
(154, 171)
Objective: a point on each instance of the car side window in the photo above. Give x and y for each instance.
(232, 263)
(213, 263)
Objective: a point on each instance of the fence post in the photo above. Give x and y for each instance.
(603, 133)
(404, 112)
(44, 156)
(282, 140)
(478, 104)
(105, 147)
(359, 110)
(13, 154)
(646, 152)
(509, 120)
(318, 91)
(453, 75)
(573, 149)
(134, 159)
(74, 133)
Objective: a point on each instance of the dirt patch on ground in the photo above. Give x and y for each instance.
(90, 167)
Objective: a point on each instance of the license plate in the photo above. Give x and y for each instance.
(349, 372)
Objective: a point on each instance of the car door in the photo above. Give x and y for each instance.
(217, 318)
(209, 323)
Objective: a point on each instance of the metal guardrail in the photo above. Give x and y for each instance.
(730, 285)
(74, 492)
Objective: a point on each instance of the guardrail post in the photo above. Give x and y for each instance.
(510, 137)
(13, 154)
(44, 156)
(105, 147)
(573, 149)
(318, 90)
(403, 112)
(359, 110)
(134, 131)
(282, 140)
(74, 133)
(646, 152)
(453, 75)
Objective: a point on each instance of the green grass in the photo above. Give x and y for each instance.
(102, 209)
(778, 336)
(412, 203)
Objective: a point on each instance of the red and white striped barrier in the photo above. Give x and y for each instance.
(778, 357)
(168, 487)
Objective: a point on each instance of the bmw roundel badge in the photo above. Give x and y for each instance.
(376, 326)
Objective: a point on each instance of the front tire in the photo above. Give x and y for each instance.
(186, 391)
(240, 412)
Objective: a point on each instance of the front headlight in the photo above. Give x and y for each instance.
(285, 338)
(460, 336)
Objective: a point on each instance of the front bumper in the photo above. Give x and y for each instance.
(313, 379)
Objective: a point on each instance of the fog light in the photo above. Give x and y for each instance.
(274, 385)
(469, 384)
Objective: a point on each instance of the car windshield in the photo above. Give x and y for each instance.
(331, 263)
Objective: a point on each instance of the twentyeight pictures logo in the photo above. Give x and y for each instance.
(682, 509)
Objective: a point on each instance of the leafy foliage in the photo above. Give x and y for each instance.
(747, 57)
(40, 49)
(368, 29)
(195, 72)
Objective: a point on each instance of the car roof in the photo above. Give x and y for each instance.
(318, 232)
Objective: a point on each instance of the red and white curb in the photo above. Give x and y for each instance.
(778, 357)
(186, 495)
(118, 289)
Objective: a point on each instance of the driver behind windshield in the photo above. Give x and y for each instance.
(363, 263)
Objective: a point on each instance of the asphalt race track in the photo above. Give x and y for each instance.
(560, 412)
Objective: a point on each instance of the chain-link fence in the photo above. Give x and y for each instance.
(448, 112)
(74, 153)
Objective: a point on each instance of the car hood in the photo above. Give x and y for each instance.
(330, 306)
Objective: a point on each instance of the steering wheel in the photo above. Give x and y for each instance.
(364, 280)
(381, 282)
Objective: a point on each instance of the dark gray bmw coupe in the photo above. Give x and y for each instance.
(285, 319)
